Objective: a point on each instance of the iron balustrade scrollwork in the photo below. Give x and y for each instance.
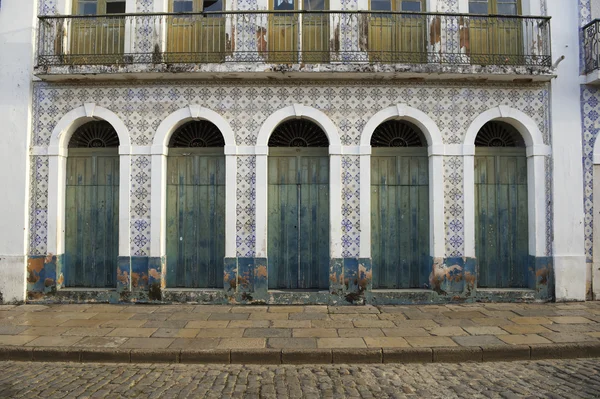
(591, 46)
(287, 37)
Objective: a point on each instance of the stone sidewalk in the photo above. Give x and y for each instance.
(299, 334)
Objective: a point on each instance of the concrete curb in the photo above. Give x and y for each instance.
(304, 356)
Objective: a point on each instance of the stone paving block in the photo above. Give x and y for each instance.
(463, 314)
(175, 308)
(31, 308)
(457, 355)
(54, 341)
(292, 343)
(500, 314)
(340, 343)
(309, 316)
(106, 308)
(269, 316)
(354, 316)
(123, 323)
(249, 324)
(285, 309)
(568, 337)
(207, 324)
(447, 322)
(565, 351)
(250, 356)
(531, 320)
(215, 308)
(132, 332)
(147, 343)
(156, 316)
(249, 309)
(314, 332)
(12, 330)
(101, 342)
(154, 356)
(386, 342)
(394, 308)
(450, 331)
(194, 343)
(331, 324)
(523, 339)
(416, 323)
(81, 323)
(290, 324)
(485, 330)
(306, 356)
(418, 315)
(316, 309)
(205, 356)
(572, 327)
(430, 341)
(56, 355)
(220, 333)
(433, 308)
(161, 324)
(242, 343)
(104, 355)
(493, 353)
(492, 321)
(87, 332)
(353, 309)
(595, 334)
(478, 340)
(41, 322)
(407, 355)
(18, 353)
(393, 317)
(176, 333)
(203, 316)
(571, 320)
(114, 316)
(405, 332)
(139, 308)
(268, 333)
(360, 356)
(359, 332)
(527, 328)
(373, 323)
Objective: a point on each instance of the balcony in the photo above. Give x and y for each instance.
(591, 48)
(293, 44)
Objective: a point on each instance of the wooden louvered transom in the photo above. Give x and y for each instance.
(498, 134)
(298, 133)
(397, 134)
(97, 134)
(197, 134)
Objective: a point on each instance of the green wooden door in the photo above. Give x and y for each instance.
(501, 217)
(400, 217)
(195, 217)
(298, 218)
(92, 218)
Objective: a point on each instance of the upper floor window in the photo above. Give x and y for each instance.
(196, 5)
(98, 7)
(502, 7)
(398, 5)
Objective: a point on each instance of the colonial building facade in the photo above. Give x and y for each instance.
(382, 151)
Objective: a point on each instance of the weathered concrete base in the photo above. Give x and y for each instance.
(570, 277)
(12, 284)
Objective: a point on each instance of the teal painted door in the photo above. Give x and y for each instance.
(92, 218)
(400, 218)
(195, 217)
(501, 217)
(298, 218)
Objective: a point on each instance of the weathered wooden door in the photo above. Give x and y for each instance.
(397, 37)
(92, 208)
(94, 39)
(399, 207)
(298, 218)
(282, 35)
(196, 207)
(195, 37)
(315, 32)
(501, 220)
(495, 40)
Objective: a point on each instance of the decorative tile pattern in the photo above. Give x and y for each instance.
(140, 205)
(47, 7)
(246, 209)
(38, 206)
(454, 212)
(350, 104)
(549, 205)
(448, 6)
(543, 7)
(351, 206)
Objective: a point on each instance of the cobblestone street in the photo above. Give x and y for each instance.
(543, 379)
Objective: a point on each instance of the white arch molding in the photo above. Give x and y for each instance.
(436, 172)
(159, 152)
(298, 111)
(536, 176)
(57, 160)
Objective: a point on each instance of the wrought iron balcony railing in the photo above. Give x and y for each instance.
(288, 37)
(591, 46)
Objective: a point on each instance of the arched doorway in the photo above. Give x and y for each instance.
(92, 207)
(195, 217)
(298, 206)
(399, 206)
(501, 216)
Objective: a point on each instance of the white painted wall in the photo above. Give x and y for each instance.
(569, 258)
(17, 32)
